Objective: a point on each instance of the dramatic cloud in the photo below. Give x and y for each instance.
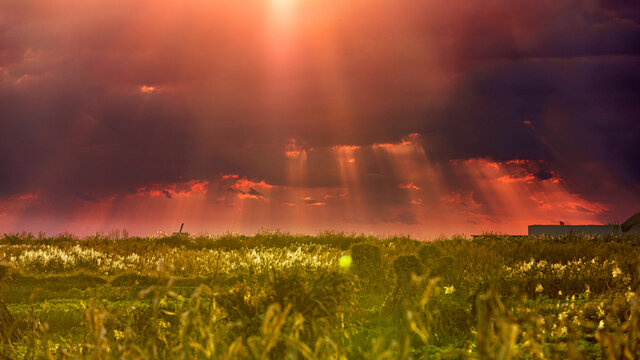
(387, 116)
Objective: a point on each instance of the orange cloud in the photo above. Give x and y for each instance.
(246, 183)
(25, 196)
(249, 195)
(147, 89)
(178, 189)
(309, 201)
(345, 147)
(294, 150)
(516, 178)
(411, 139)
(517, 194)
(409, 186)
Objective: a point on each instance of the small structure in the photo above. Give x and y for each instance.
(631, 226)
(180, 233)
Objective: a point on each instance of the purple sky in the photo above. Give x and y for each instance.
(414, 117)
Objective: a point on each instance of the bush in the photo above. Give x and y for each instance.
(406, 290)
(367, 265)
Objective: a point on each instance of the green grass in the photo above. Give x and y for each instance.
(275, 295)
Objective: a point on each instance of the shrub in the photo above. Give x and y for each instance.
(406, 291)
(367, 265)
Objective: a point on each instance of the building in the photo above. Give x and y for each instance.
(631, 226)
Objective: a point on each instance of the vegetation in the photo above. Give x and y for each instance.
(331, 296)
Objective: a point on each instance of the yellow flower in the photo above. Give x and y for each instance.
(449, 289)
(539, 288)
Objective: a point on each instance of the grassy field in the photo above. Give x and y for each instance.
(330, 296)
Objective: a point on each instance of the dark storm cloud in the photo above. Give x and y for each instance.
(550, 80)
(544, 175)
(255, 192)
(86, 197)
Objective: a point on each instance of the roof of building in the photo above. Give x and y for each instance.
(631, 222)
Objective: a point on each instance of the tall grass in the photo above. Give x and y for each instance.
(282, 296)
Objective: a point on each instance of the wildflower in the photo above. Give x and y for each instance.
(576, 320)
(118, 335)
(163, 324)
(560, 292)
(629, 295)
(601, 324)
(616, 272)
(539, 288)
(449, 289)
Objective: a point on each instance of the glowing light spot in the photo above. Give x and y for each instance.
(345, 261)
(282, 9)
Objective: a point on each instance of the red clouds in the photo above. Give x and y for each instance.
(392, 116)
(393, 185)
(409, 186)
(171, 190)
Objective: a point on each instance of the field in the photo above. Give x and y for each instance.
(330, 296)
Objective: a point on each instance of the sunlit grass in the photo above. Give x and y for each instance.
(330, 296)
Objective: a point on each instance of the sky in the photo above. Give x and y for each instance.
(422, 118)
